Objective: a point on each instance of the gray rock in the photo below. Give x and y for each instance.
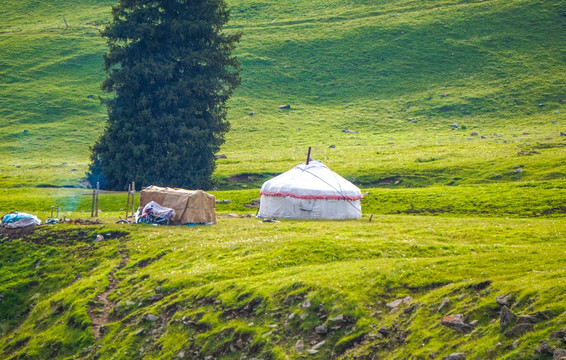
(515, 344)
(336, 319)
(474, 323)
(303, 316)
(99, 238)
(517, 171)
(474, 134)
(321, 330)
(559, 354)
(299, 346)
(319, 345)
(221, 156)
(312, 352)
(527, 319)
(158, 289)
(332, 146)
(506, 318)
(504, 300)
(306, 304)
(155, 297)
(399, 302)
(557, 112)
(251, 113)
(455, 356)
(150, 317)
(139, 332)
(284, 106)
(518, 330)
(445, 304)
(456, 323)
(349, 131)
(562, 133)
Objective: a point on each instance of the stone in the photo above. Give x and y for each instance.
(221, 156)
(158, 289)
(383, 331)
(544, 349)
(411, 309)
(349, 131)
(336, 319)
(518, 330)
(139, 332)
(332, 146)
(303, 316)
(445, 304)
(455, 356)
(150, 317)
(455, 125)
(312, 352)
(517, 171)
(506, 318)
(456, 323)
(474, 134)
(319, 345)
(291, 316)
(562, 133)
(484, 137)
(504, 300)
(558, 334)
(155, 297)
(527, 319)
(299, 346)
(557, 112)
(399, 302)
(321, 330)
(99, 238)
(474, 323)
(181, 355)
(306, 304)
(559, 354)
(251, 113)
(515, 344)
(130, 303)
(284, 106)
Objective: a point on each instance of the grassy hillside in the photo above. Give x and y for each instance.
(457, 220)
(494, 67)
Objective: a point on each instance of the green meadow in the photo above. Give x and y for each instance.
(456, 135)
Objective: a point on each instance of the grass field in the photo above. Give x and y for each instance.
(468, 213)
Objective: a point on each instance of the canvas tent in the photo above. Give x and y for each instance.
(191, 206)
(310, 191)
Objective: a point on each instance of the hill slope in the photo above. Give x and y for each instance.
(494, 67)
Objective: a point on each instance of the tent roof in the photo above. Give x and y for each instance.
(312, 181)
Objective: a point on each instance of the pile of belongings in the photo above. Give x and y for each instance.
(153, 213)
(16, 220)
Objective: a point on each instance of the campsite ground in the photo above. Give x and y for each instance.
(472, 213)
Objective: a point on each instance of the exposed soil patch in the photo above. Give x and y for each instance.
(99, 312)
(44, 236)
(20, 233)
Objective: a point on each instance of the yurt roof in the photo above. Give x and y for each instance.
(312, 181)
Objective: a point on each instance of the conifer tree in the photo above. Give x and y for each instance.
(171, 70)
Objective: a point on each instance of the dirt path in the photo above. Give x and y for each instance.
(99, 313)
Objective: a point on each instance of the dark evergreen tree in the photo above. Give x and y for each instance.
(171, 68)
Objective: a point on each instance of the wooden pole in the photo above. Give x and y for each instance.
(309, 155)
(92, 206)
(128, 200)
(97, 190)
(133, 196)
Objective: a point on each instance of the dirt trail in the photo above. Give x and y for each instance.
(99, 313)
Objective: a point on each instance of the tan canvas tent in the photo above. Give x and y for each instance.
(191, 206)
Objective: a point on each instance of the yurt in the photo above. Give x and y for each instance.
(310, 191)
